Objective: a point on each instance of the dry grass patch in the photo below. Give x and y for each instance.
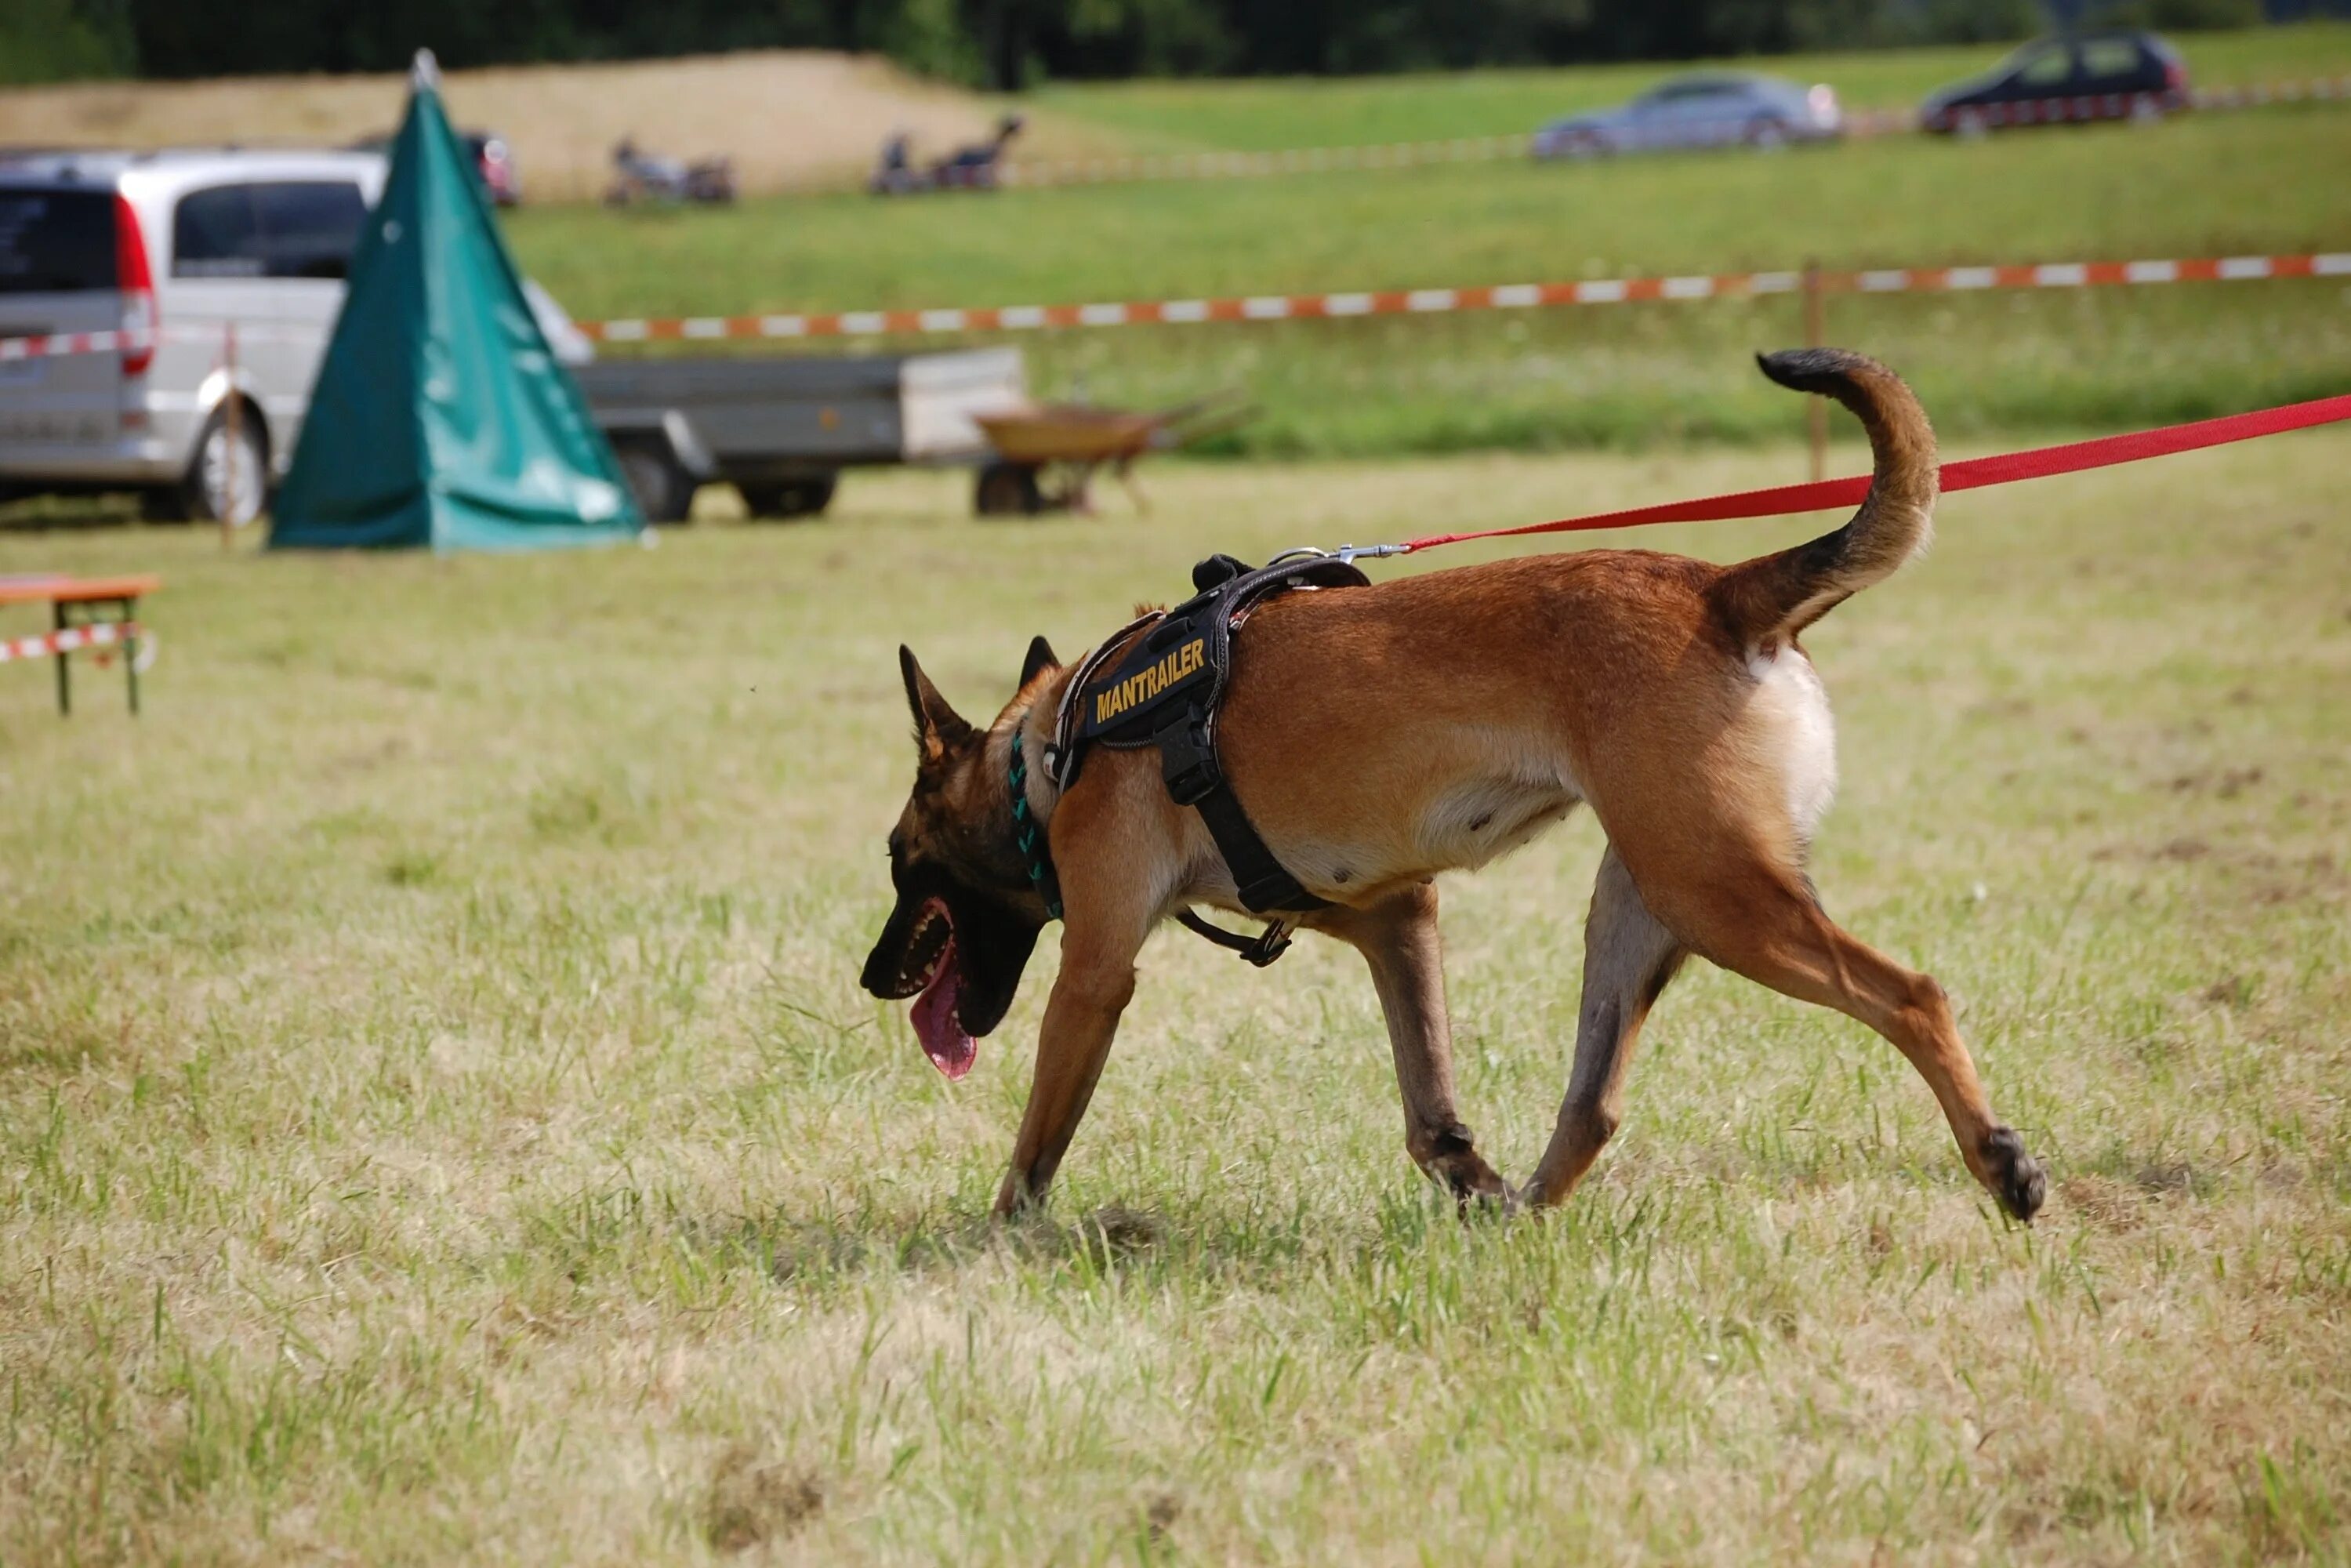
(791, 119)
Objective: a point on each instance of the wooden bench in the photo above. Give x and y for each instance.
(85, 612)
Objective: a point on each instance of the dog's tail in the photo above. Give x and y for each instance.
(1774, 597)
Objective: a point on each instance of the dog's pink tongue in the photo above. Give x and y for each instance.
(944, 1041)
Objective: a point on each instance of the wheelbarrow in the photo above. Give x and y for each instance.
(1048, 454)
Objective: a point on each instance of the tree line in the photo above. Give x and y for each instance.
(1010, 44)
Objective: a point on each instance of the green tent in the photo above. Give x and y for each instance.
(440, 416)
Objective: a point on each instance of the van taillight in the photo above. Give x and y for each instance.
(136, 282)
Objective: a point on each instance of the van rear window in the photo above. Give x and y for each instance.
(56, 242)
(286, 228)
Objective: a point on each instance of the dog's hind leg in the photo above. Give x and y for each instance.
(1628, 958)
(1751, 918)
(1398, 938)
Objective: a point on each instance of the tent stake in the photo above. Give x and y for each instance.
(231, 437)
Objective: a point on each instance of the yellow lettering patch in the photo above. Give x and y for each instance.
(1149, 681)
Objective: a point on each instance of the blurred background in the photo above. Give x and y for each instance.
(729, 165)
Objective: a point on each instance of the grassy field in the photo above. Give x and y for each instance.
(2276, 180)
(1267, 115)
(438, 1119)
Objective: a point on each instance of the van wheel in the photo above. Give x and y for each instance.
(788, 497)
(228, 477)
(664, 491)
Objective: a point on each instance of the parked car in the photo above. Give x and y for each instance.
(494, 156)
(494, 160)
(182, 246)
(2095, 76)
(1710, 111)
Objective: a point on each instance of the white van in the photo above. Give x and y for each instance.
(181, 244)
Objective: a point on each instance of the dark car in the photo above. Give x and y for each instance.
(2095, 76)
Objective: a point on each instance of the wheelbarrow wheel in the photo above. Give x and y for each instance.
(1006, 490)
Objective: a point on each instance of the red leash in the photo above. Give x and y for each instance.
(1970, 475)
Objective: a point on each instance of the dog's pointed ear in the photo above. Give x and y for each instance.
(1040, 659)
(936, 725)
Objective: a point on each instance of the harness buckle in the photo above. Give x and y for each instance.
(1186, 761)
(1271, 944)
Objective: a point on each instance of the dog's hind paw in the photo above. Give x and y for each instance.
(2015, 1178)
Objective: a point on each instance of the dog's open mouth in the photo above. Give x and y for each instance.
(930, 965)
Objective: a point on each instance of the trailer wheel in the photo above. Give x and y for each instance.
(663, 490)
(803, 498)
(1006, 490)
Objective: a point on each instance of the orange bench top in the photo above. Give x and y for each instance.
(60, 588)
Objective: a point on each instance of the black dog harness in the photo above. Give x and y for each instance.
(1165, 690)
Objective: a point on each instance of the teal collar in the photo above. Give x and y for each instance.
(1026, 830)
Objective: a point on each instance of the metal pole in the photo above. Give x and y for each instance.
(232, 435)
(1816, 411)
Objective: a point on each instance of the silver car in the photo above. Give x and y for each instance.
(192, 249)
(1710, 111)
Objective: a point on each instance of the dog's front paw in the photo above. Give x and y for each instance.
(1473, 1183)
(1450, 1156)
(2014, 1177)
(1487, 1200)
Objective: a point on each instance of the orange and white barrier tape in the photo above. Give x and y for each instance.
(60, 343)
(2053, 111)
(1370, 302)
(2260, 95)
(73, 638)
(1285, 161)
(57, 344)
(1419, 301)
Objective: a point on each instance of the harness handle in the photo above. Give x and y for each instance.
(1261, 949)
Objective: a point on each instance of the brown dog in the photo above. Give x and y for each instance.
(1480, 705)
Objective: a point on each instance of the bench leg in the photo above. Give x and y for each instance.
(65, 677)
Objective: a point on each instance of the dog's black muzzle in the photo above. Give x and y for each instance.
(992, 942)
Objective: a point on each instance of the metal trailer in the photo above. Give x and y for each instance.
(780, 429)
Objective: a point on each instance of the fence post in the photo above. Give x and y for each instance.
(232, 438)
(1816, 412)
